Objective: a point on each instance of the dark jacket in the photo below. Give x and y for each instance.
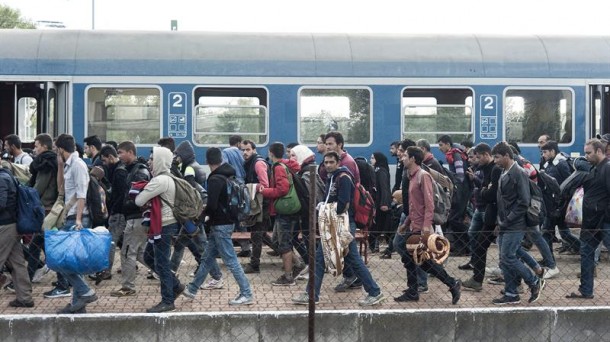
(119, 188)
(217, 208)
(44, 177)
(340, 189)
(481, 180)
(383, 197)
(249, 164)
(596, 201)
(398, 175)
(187, 155)
(8, 198)
(558, 168)
(513, 199)
(136, 172)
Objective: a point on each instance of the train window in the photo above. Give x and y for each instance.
(530, 113)
(323, 110)
(27, 110)
(429, 113)
(222, 112)
(124, 114)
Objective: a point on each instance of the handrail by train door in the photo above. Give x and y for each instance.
(599, 114)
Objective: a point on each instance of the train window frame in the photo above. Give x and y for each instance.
(473, 112)
(126, 86)
(535, 144)
(238, 88)
(347, 144)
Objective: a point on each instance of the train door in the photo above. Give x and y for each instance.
(30, 108)
(599, 114)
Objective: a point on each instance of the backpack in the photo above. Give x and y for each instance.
(289, 204)
(96, 202)
(534, 211)
(302, 192)
(367, 175)
(238, 199)
(30, 211)
(364, 206)
(551, 192)
(188, 204)
(569, 160)
(443, 194)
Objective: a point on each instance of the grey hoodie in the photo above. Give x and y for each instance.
(161, 184)
(187, 156)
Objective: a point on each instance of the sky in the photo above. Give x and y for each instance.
(514, 17)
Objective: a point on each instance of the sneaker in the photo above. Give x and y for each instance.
(57, 292)
(296, 269)
(10, 287)
(16, 303)
(40, 273)
(507, 300)
(496, 281)
(493, 272)
(123, 292)
(386, 255)
(188, 294)
(214, 284)
(273, 253)
(422, 289)
(466, 267)
(83, 301)
(4, 279)
(302, 299)
(161, 307)
(345, 284)
(249, 269)
(242, 300)
(244, 254)
(152, 275)
(456, 292)
(408, 296)
(304, 274)
(551, 273)
(372, 300)
(536, 290)
(283, 280)
(472, 285)
(69, 310)
(520, 290)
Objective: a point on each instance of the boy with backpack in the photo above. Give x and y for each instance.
(221, 224)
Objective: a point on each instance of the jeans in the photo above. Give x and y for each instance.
(116, 226)
(32, 254)
(544, 248)
(183, 241)
(352, 258)
(589, 240)
(302, 245)
(476, 226)
(162, 252)
(400, 245)
(220, 243)
(479, 254)
(79, 285)
(513, 268)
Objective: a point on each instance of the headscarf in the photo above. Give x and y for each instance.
(381, 161)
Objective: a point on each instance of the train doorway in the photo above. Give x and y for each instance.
(30, 108)
(599, 119)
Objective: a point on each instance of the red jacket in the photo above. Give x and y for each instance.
(279, 185)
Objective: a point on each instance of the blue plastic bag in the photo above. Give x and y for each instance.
(82, 251)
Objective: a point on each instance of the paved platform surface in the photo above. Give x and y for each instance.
(390, 274)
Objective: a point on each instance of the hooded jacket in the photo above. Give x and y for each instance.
(340, 189)
(216, 208)
(187, 156)
(596, 201)
(279, 184)
(44, 177)
(383, 197)
(558, 168)
(160, 185)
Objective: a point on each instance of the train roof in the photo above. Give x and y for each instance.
(140, 53)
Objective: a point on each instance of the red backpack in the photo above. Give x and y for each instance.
(364, 207)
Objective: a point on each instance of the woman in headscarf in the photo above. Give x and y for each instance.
(383, 199)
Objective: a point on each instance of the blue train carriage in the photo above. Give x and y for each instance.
(204, 87)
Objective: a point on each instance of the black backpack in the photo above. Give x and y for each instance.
(367, 175)
(96, 202)
(551, 192)
(534, 215)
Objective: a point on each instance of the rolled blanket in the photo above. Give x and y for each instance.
(335, 237)
(438, 248)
